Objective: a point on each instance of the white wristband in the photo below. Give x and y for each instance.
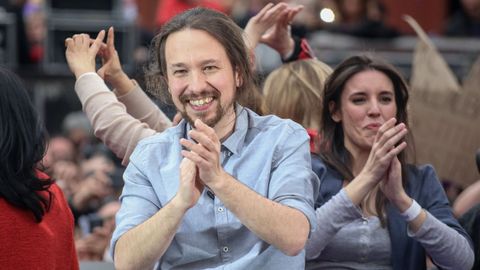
(412, 212)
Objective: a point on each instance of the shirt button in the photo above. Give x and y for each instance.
(225, 249)
(220, 209)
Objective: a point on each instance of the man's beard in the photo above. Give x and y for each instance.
(218, 114)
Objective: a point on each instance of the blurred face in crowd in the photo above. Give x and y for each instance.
(200, 77)
(59, 148)
(472, 7)
(367, 101)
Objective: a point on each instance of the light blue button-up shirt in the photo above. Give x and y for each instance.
(268, 154)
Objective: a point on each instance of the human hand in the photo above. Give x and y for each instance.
(81, 52)
(92, 247)
(66, 174)
(111, 70)
(263, 20)
(392, 186)
(205, 153)
(190, 187)
(386, 146)
(279, 36)
(95, 187)
(65, 170)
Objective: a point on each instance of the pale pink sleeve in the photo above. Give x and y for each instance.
(141, 107)
(111, 123)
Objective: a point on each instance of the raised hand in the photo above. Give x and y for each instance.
(279, 36)
(205, 153)
(111, 70)
(263, 20)
(81, 52)
(92, 247)
(95, 187)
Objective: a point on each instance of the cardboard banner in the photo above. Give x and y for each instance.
(445, 116)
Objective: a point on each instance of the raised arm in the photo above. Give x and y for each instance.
(261, 22)
(467, 199)
(271, 26)
(110, 120)
(127, 90)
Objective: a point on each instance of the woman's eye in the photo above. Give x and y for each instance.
(358, 100)
(386, 99)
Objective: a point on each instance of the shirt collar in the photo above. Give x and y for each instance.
(234, 142)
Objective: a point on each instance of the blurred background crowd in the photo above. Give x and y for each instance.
(31, 42)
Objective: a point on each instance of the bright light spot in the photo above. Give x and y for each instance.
(327, 15)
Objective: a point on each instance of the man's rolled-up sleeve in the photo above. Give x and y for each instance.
(293, 183)
(138, 200)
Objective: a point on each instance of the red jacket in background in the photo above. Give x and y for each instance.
(167, 9)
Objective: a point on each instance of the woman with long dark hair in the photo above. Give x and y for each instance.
(375, 211)
(36, 225)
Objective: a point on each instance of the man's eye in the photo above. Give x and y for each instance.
(209, 68)
(179, 72)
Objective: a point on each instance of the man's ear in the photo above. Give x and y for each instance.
(238, 79)
(334, 112)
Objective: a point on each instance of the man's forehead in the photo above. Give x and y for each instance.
(193, 46)
(190, 36)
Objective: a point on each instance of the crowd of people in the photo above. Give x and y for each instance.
(229, 180)
(361, 18)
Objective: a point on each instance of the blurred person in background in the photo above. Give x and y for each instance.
(452, 189)
(76, 127)
(36, 225)
(96, 232)
(467, 208)
(35, 28)
(16, 8)
(470, 196)
(295, 91)
(465, 22)
(59, 148)
(360, 18)
(95, 186)
(167, 9)
(61, 162)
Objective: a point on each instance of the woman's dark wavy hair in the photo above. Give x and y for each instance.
(226, 32)
(22, 147)
(332, 148)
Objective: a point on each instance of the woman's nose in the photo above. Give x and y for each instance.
(374, 109)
